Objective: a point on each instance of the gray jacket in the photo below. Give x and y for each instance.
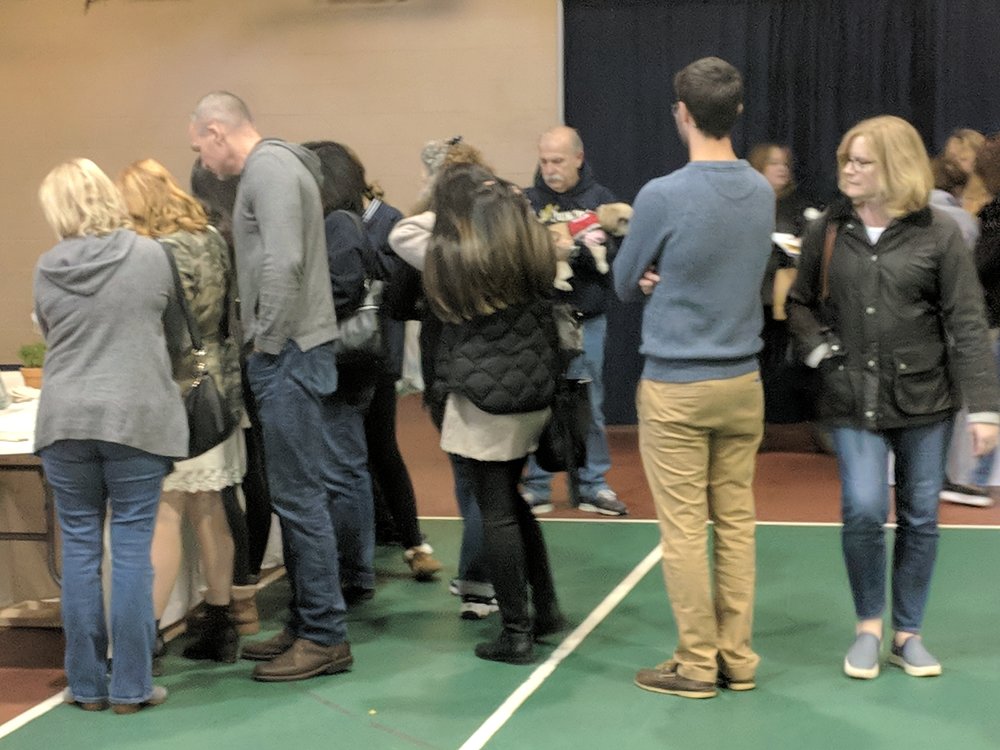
(282, 269)
(107, 308)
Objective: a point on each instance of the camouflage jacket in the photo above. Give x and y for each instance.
(208, 278)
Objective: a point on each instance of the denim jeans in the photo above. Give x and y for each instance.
(862, 458)
(348, 484)
(589, 365)
(473, 568)
(983, 469)
(88, 477)
(295, 401)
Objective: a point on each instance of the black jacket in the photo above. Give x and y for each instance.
(590, 286)
(504, 363)
(906, 316)
(987, 254)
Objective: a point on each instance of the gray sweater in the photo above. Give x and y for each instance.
(281, 263)
(107, 309)
(707, 230)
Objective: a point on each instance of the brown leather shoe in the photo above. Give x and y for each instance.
(266, 650)
(305, 659)
(664, 679)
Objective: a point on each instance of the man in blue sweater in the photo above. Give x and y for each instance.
(698, 245)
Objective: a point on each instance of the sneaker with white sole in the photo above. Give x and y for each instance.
(537, 504)
(966, 494)
(477, 607)
(861, 661)
(605, 502)
(914, 659)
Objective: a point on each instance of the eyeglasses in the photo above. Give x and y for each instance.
(858, 164)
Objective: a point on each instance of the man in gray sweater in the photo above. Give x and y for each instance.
(698, 245)
(288, 320)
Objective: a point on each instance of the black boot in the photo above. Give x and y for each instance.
(217, 639)
(159, 649)
(510, 647)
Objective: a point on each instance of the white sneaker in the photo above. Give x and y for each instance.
(477, 607)
(966, 495)
(537, 504)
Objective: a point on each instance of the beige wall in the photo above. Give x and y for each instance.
(117, 83)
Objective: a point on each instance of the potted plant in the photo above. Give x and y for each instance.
(32, 356)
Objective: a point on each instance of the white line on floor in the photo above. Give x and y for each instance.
(30, 715)
(500, 717)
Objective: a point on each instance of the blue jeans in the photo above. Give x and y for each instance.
(984, 464)
(295, 394)
(920, 462)
(589, 365)
(88, 477)
(349, 485)
(473, 567)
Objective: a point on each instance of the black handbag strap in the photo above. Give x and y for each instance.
(192, 326)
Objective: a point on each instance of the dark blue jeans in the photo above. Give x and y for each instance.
(862, 457)
(473, 567)
(295, 394)
(88, 477)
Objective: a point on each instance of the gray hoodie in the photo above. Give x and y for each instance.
(281, 262)
(107, 310)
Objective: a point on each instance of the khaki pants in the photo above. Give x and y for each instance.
(699, 444)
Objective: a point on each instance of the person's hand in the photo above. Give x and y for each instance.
(984, 437)
(649, 281)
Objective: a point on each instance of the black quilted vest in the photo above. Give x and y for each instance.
(504, 363)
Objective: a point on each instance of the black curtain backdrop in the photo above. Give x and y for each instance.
(812, 69)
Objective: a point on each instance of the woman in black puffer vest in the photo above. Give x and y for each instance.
(488, 277)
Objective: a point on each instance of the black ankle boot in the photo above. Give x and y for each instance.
(159, 648)
(550, 623)
(217, 639)
(510, 647)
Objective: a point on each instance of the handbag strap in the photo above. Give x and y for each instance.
(828, 243)
(197, 349)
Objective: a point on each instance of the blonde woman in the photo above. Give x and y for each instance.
(159, 208)
(110, 423)
(887, 305)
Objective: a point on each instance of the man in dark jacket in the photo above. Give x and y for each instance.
(565, 190)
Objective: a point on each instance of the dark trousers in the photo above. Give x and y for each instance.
(515, 547)
(390, 477)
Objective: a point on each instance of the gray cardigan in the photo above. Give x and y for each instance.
(107, 309)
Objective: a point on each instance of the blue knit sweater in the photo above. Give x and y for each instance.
(706, 228)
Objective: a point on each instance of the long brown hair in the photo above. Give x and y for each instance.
(155, 201)
(487, 254)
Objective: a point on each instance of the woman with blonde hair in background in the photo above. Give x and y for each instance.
(159, 208)
(886, 304)
(110, 423)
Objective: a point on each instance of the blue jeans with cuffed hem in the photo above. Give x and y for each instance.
(588, 365)
(296, 398)
(862, 458)
(89, 477)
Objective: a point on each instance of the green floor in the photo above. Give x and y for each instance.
(416, 683)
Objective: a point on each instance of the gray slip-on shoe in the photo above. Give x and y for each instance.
(914, 658)
(861, 661)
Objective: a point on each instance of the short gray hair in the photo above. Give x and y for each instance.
(222, 107)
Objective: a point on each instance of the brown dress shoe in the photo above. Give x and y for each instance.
(305, 659)
(266, 650)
